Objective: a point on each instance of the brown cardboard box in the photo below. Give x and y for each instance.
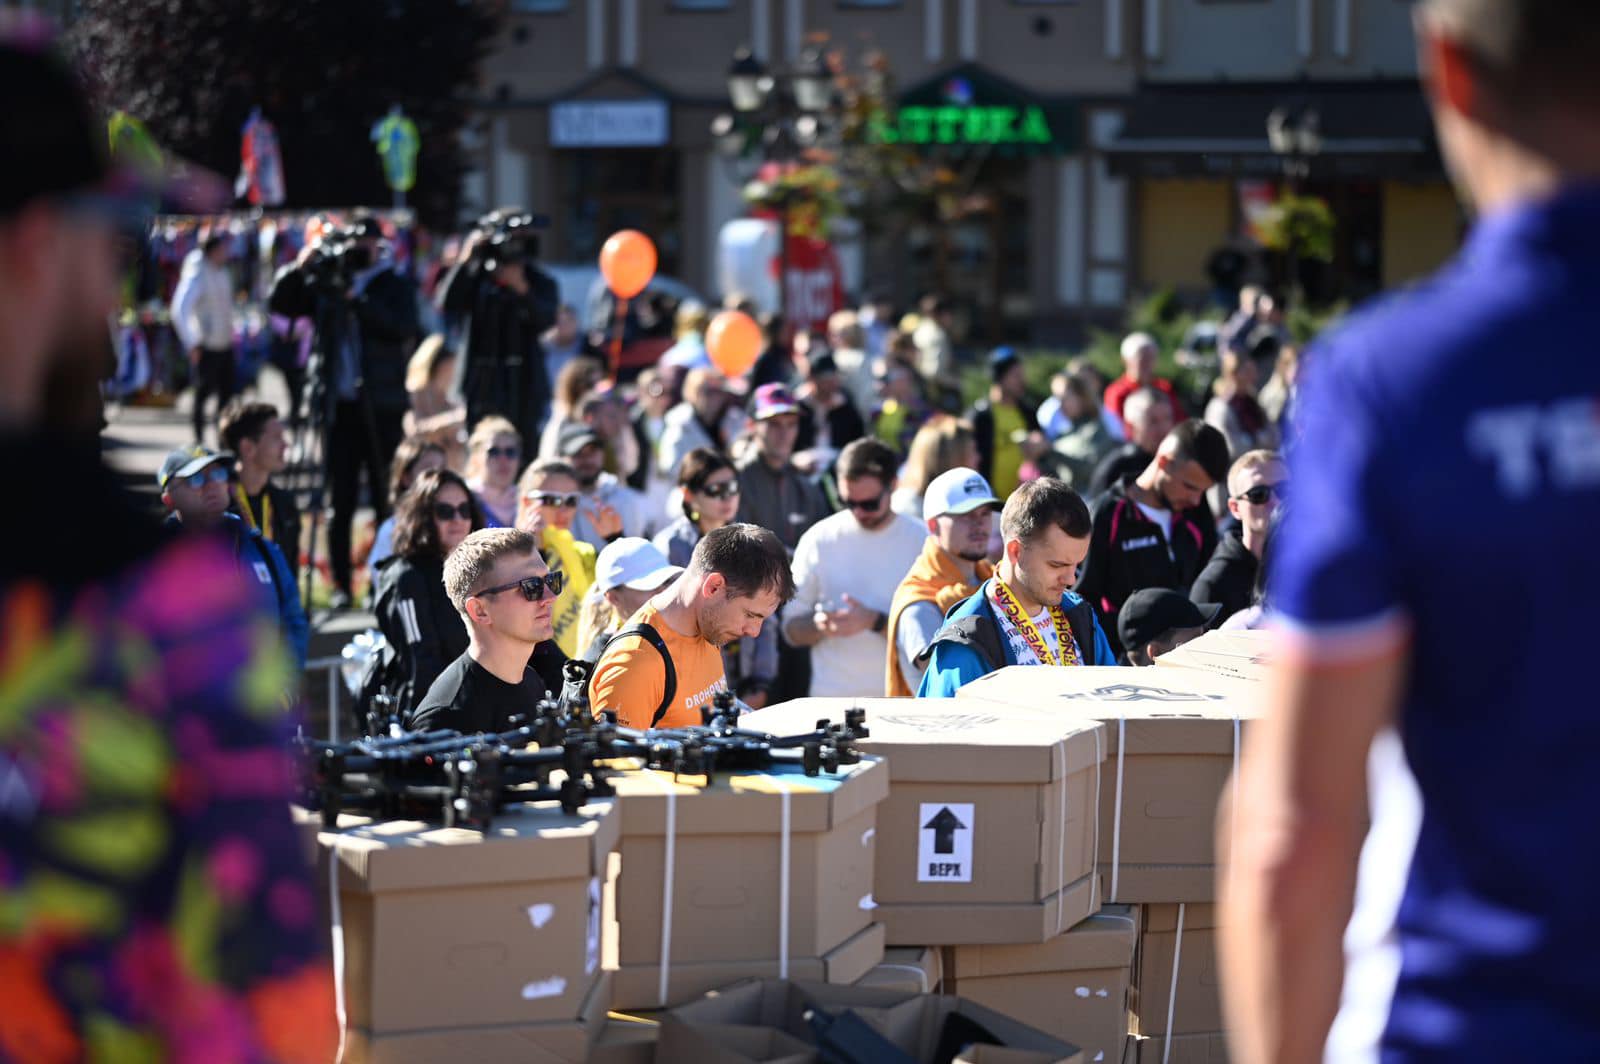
(1242, 655)
(988, 832)
(1074, 986)
(1181, 1049)
(446, 928)
(912, 1022)
(1172, 740)
(625, 1042)
(911, 969)
(1197, 1007)
(557, 1042)
(720, 910)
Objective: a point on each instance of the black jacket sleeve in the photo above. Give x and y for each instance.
(408, 616)
(982, 418)
(290, 296)
(388, 308)
(1096, 576)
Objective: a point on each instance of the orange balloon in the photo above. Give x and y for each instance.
(628, 261)
(733, 341)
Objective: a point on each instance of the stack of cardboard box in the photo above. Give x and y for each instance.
(469, 946)
(754, 874)
(1174, 737)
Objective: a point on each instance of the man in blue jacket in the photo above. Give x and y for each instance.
(194, 486)
(1027, 613)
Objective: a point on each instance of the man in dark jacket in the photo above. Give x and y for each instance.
(194, 487)
(1255, 489)
(1004, 424)
(1027, 613)
(1148, 416)
(506, 304)
(367, 325)
(1153, 530)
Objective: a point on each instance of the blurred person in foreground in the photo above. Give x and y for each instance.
(1475, 925)
(159, 900)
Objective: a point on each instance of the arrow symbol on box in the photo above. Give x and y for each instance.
(944, 826)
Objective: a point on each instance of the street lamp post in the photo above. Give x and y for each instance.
(1295, 135)
(782, 112)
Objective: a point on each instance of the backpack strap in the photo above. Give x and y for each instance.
(648, 633)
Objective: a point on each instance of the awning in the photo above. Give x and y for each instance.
(1367, 129)
(970, 110)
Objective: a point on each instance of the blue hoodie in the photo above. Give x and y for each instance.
(970, 644)
(264, 568)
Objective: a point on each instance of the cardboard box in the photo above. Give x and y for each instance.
(558, 1042)
(1180, 1049)
(715, 1028)
(1242, 655)
(988, 832)
(1074, 986)
(910, 969)
(626, 1042)
(446, 928)
(1172, 742)
(1194, 1001)
(702, 899)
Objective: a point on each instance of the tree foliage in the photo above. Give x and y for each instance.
(322, 70)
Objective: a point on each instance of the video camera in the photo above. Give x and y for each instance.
(508, 236)
(337, 258)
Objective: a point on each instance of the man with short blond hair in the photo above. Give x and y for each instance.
(498, 582)
(1256, 483)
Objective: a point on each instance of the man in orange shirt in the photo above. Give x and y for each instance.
(667, 663)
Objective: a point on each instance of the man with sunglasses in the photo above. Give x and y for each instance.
(847, 568)
(607, 508)
(499, 583)
(196, 488)
(1255, 490)
(547, 506)
(1154, 529)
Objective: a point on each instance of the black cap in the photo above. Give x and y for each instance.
(55, 144)
(1151, 613)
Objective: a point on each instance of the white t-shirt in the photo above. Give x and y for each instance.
(918, 624)
(1162, 519)
(1021, 653)
(835, 557)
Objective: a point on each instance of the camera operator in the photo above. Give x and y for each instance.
(367, 323)
(505, 303)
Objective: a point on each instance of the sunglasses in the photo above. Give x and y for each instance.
(864, 504)
(210, 475)
(1262, 493)
(532, 587)
(504, 452)
(730, 490)
(443, 511)
(568, 500)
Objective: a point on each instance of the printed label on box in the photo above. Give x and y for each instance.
(944, 843)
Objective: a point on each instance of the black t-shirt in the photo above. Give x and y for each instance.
(469, 698)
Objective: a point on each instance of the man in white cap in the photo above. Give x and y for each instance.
(627, 573)
(959, 508)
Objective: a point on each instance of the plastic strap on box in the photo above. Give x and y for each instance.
(1172, 996)
(783, 882)
(666, 893)
(1116, 813)
(1061, 851)
(336, 920)
(1094, 880)
(1233, 800)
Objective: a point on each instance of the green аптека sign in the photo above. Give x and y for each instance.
(969, 124)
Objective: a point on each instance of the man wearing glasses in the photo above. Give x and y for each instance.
(498, 582)
(195, 487)
(547, 504)
(1255, 490)
(846, 570)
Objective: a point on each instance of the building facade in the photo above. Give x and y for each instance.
(1110, 146)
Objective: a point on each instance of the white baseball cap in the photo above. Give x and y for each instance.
(957, 491)
(633, 562)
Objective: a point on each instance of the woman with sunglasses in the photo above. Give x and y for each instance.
(710, 487)
(547, 504)
(424, 631)
(494, 455)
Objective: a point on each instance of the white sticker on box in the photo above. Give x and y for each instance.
(592, 937)
(554, 986)
(541, 914)
(944, 842)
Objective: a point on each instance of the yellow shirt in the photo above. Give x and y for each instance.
(631, 678)
(575, 558)
(1006, 469)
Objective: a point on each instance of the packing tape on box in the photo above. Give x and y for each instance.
(670, 856)
(336, 921)
(1172, 995)
(1116, 812)
(783, 884)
